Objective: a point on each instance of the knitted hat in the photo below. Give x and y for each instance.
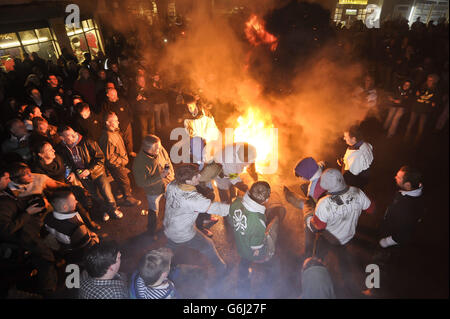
(306, 168)
(332, 180)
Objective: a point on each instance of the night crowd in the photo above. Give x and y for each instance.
(78, 137)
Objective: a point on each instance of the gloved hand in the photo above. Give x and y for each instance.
(292, 198)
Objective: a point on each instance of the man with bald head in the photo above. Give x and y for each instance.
(116, 157)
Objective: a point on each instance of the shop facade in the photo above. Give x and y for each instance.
(41, 28)
(428, 11)
(349, 11)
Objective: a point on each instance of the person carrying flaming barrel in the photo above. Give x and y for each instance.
(234, 159)
(310, 170)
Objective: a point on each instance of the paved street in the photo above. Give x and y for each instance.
(422, 273)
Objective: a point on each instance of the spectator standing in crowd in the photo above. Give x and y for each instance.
(366, 97)
(35, 97)
(116, 158)
(427, 99)
(85, 86)
(100, 90)
(150, 280)
(114, 75)
(123, 111)
(52, 89)
(144, 114)
(405, 211)
(86, 122)
(102, 279)
(160, 105)
(153, 171)
(400, 102)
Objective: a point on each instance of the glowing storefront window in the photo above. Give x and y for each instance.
(361, 2)
(85, 39)
(14, 45)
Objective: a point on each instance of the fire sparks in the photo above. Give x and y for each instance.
(256, 33)
(256, 128)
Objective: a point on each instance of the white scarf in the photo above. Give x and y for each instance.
(252, 206)
(413, 193)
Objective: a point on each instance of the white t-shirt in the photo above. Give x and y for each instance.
(342, 219)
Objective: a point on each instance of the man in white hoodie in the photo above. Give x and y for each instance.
(183, 204)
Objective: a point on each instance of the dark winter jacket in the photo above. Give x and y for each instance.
(122, 109)
(401, 217)
(91, 155)
(90, 128)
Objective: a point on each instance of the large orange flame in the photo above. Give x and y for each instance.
(256, 128)
(256, 33)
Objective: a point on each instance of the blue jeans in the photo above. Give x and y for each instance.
(205, 246)
(153, 209)
(107, 200)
